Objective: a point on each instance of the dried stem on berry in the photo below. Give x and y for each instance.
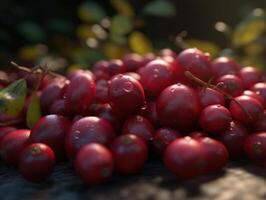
(214, 87)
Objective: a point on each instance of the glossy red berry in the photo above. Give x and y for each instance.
(51, 130)
(80, 93)
(59, 108)
(130, 153)
(88, 130)
(178, 106)
(260, 125)
(156, 76)
(232, 84)
(250, 76)
(132, 62)
(185, 157)
(12, 145)
(100, 70)
(101, 94)
(126, 95)
(5, 130)
(247, 111)
(260, 88)
(115, 66)
(50, 94)
(167, 52)
(208, 96)
(196, 62)
(36, 162)
(255, 148)
(256, 96)
(94, 163)
(140, 126)
(163, 137)
(216, 153)
(223, 65)
(233, 138)
(215, 118)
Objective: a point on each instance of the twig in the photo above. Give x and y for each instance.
(214, 87)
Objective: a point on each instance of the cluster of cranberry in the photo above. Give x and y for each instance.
(191, 111)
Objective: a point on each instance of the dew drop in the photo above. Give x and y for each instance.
(128, 86)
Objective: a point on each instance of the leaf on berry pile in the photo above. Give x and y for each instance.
(84, 31)
(113, 50)
(123, 7)
(90, 12)
(204, 46)
(12, 98)
(160, 8)
(139, 43)
(121, 25)
(250, 29)
(34, 111)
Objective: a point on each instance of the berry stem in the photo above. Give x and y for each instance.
(214, 87)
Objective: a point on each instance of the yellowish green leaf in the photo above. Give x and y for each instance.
(90, 12)
(85, 31)
(160, 8)
(139, 43)
(12, 98)
(121, 25)
(123, 7)
(34, 111)
(205, 46)
(113, 50)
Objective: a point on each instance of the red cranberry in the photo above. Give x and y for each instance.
(51, 130)
(256, 96)
(59, 107)
(232, 84)
(196, 135)
(255, 148)
(36, 162)
(222, 66)
(185, 157)
(115, 66)
(5, 130)
(250, 76)
(208, 96)
(100, 70)
(140, 126)
(216, 153)
(215, 118)
(156, 76)
(80, 93)
(88, 130)
(132, 62)
(133, 75)
(163, 137)
(94, 163)
(148, 58)
(152, 113)
(50, 94)
(101, 91)
(260, 125)
(106, 112)
(247, 111)
(260, 88)
(196, 62)
(130, 154)
(233, 138)
(178, 106)
(12, 145)
(126, 95)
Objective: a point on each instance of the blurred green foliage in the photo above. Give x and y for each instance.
(101, 34)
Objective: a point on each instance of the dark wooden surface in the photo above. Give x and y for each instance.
(239, 181)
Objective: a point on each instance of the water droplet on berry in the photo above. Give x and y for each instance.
(139, 118)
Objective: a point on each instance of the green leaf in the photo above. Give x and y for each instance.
(250, 29)
(12, 98)
(121, 25)
(31, 31)
(160, 8)
(34, 111)
(90, 11)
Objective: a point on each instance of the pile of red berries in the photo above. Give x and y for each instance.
(193, 112)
